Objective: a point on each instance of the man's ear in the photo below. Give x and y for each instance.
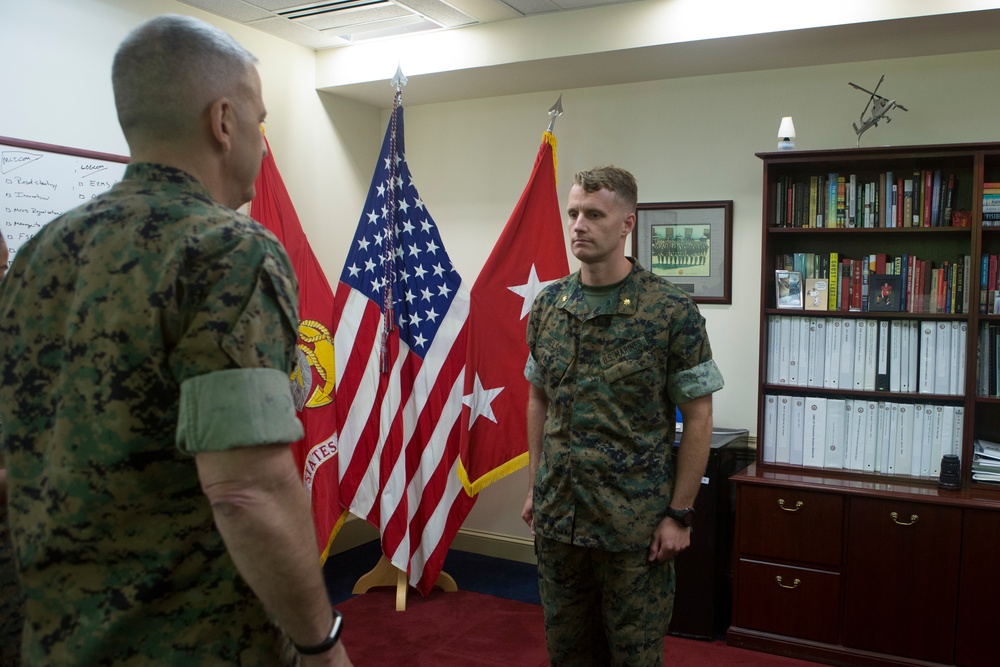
(220, 114)
(629, 224)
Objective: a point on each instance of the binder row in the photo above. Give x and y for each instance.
(926, 357)
(987, 383)
(877, 437)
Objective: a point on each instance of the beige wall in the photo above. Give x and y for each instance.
(685, 139)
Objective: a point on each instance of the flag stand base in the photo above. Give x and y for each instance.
(386, 574)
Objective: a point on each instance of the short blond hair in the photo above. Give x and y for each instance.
(613, 179)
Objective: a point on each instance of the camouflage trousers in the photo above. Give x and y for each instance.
(11, 600)
(603, 608)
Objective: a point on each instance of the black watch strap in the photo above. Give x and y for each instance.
(329, 642)
(684, 517)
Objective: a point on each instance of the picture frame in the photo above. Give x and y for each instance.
(885, 292)
(703, 267)
(788, 291)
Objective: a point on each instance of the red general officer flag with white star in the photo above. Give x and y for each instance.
(530, 254)
(313, 378)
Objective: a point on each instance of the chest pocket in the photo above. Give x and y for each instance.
(553, 358)
(635, 382)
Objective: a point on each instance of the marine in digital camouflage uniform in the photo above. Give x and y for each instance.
(148, 338)
(11, 599)
(609, 363)
(120, 558)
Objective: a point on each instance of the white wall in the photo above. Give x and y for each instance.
(685, 139)
(55, 72)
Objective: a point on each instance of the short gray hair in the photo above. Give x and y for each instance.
(169, 70)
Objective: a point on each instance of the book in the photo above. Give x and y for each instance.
(817, 296)
(793, 351)
(927, 440)
(817, 352)
(882, 359)
(884, 292)
(942, 358)
(770, 426)
(871, 436)
(856, 425)
(798, 429)
(904, 440)
(860, 354)
(835, 442)
(895, 349)
(783, 434)
(833, 281)
(928, 373)
(831, 366)
(871, 355)
(814, 442)
(917, 440)
(847, 353)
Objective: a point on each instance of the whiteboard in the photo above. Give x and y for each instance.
(39, 182)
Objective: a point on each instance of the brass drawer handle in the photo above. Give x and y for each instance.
(895, 519)
(798, 505)
(795, 582)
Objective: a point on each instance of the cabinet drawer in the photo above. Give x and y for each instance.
(902, 578)
(790, 524)
(792, 601)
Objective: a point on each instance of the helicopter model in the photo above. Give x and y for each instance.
(880, 107)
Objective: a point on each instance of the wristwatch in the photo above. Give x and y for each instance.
(684, 517)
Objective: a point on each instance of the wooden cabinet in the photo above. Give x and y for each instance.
(902, 557)
(979, 590)
(847, 550)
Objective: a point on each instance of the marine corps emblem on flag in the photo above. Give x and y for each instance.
(314, 376)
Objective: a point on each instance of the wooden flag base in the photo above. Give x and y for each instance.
(386, 574)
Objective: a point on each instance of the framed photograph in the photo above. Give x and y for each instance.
(690, 244)
(884, 292)
(788, 289)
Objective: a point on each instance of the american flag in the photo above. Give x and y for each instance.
(400, 313)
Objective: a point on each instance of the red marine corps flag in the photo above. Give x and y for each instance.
(313, 378)
(530, 254)
(401, 311)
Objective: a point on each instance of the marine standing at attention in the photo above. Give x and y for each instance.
(614, 349)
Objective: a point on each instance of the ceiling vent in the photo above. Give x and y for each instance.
(338, 22)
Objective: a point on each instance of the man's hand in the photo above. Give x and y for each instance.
(527, 515)
(669, 539)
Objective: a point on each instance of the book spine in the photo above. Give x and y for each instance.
(926, 197)
(834, 284)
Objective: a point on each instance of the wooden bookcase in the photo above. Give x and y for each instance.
(848, 557)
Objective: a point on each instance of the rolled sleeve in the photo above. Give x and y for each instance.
(532, 373)
(687, 385)
(241, 407)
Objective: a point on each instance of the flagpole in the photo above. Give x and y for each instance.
(385, 573)
(555, 111)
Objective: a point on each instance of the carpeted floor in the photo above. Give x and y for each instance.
(493, 620)
(464, 629)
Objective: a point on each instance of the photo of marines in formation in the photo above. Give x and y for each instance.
(681, 250)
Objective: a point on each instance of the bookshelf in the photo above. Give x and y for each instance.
(878, 358)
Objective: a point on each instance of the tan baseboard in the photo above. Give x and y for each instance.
(356, 532)
(492, 544)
